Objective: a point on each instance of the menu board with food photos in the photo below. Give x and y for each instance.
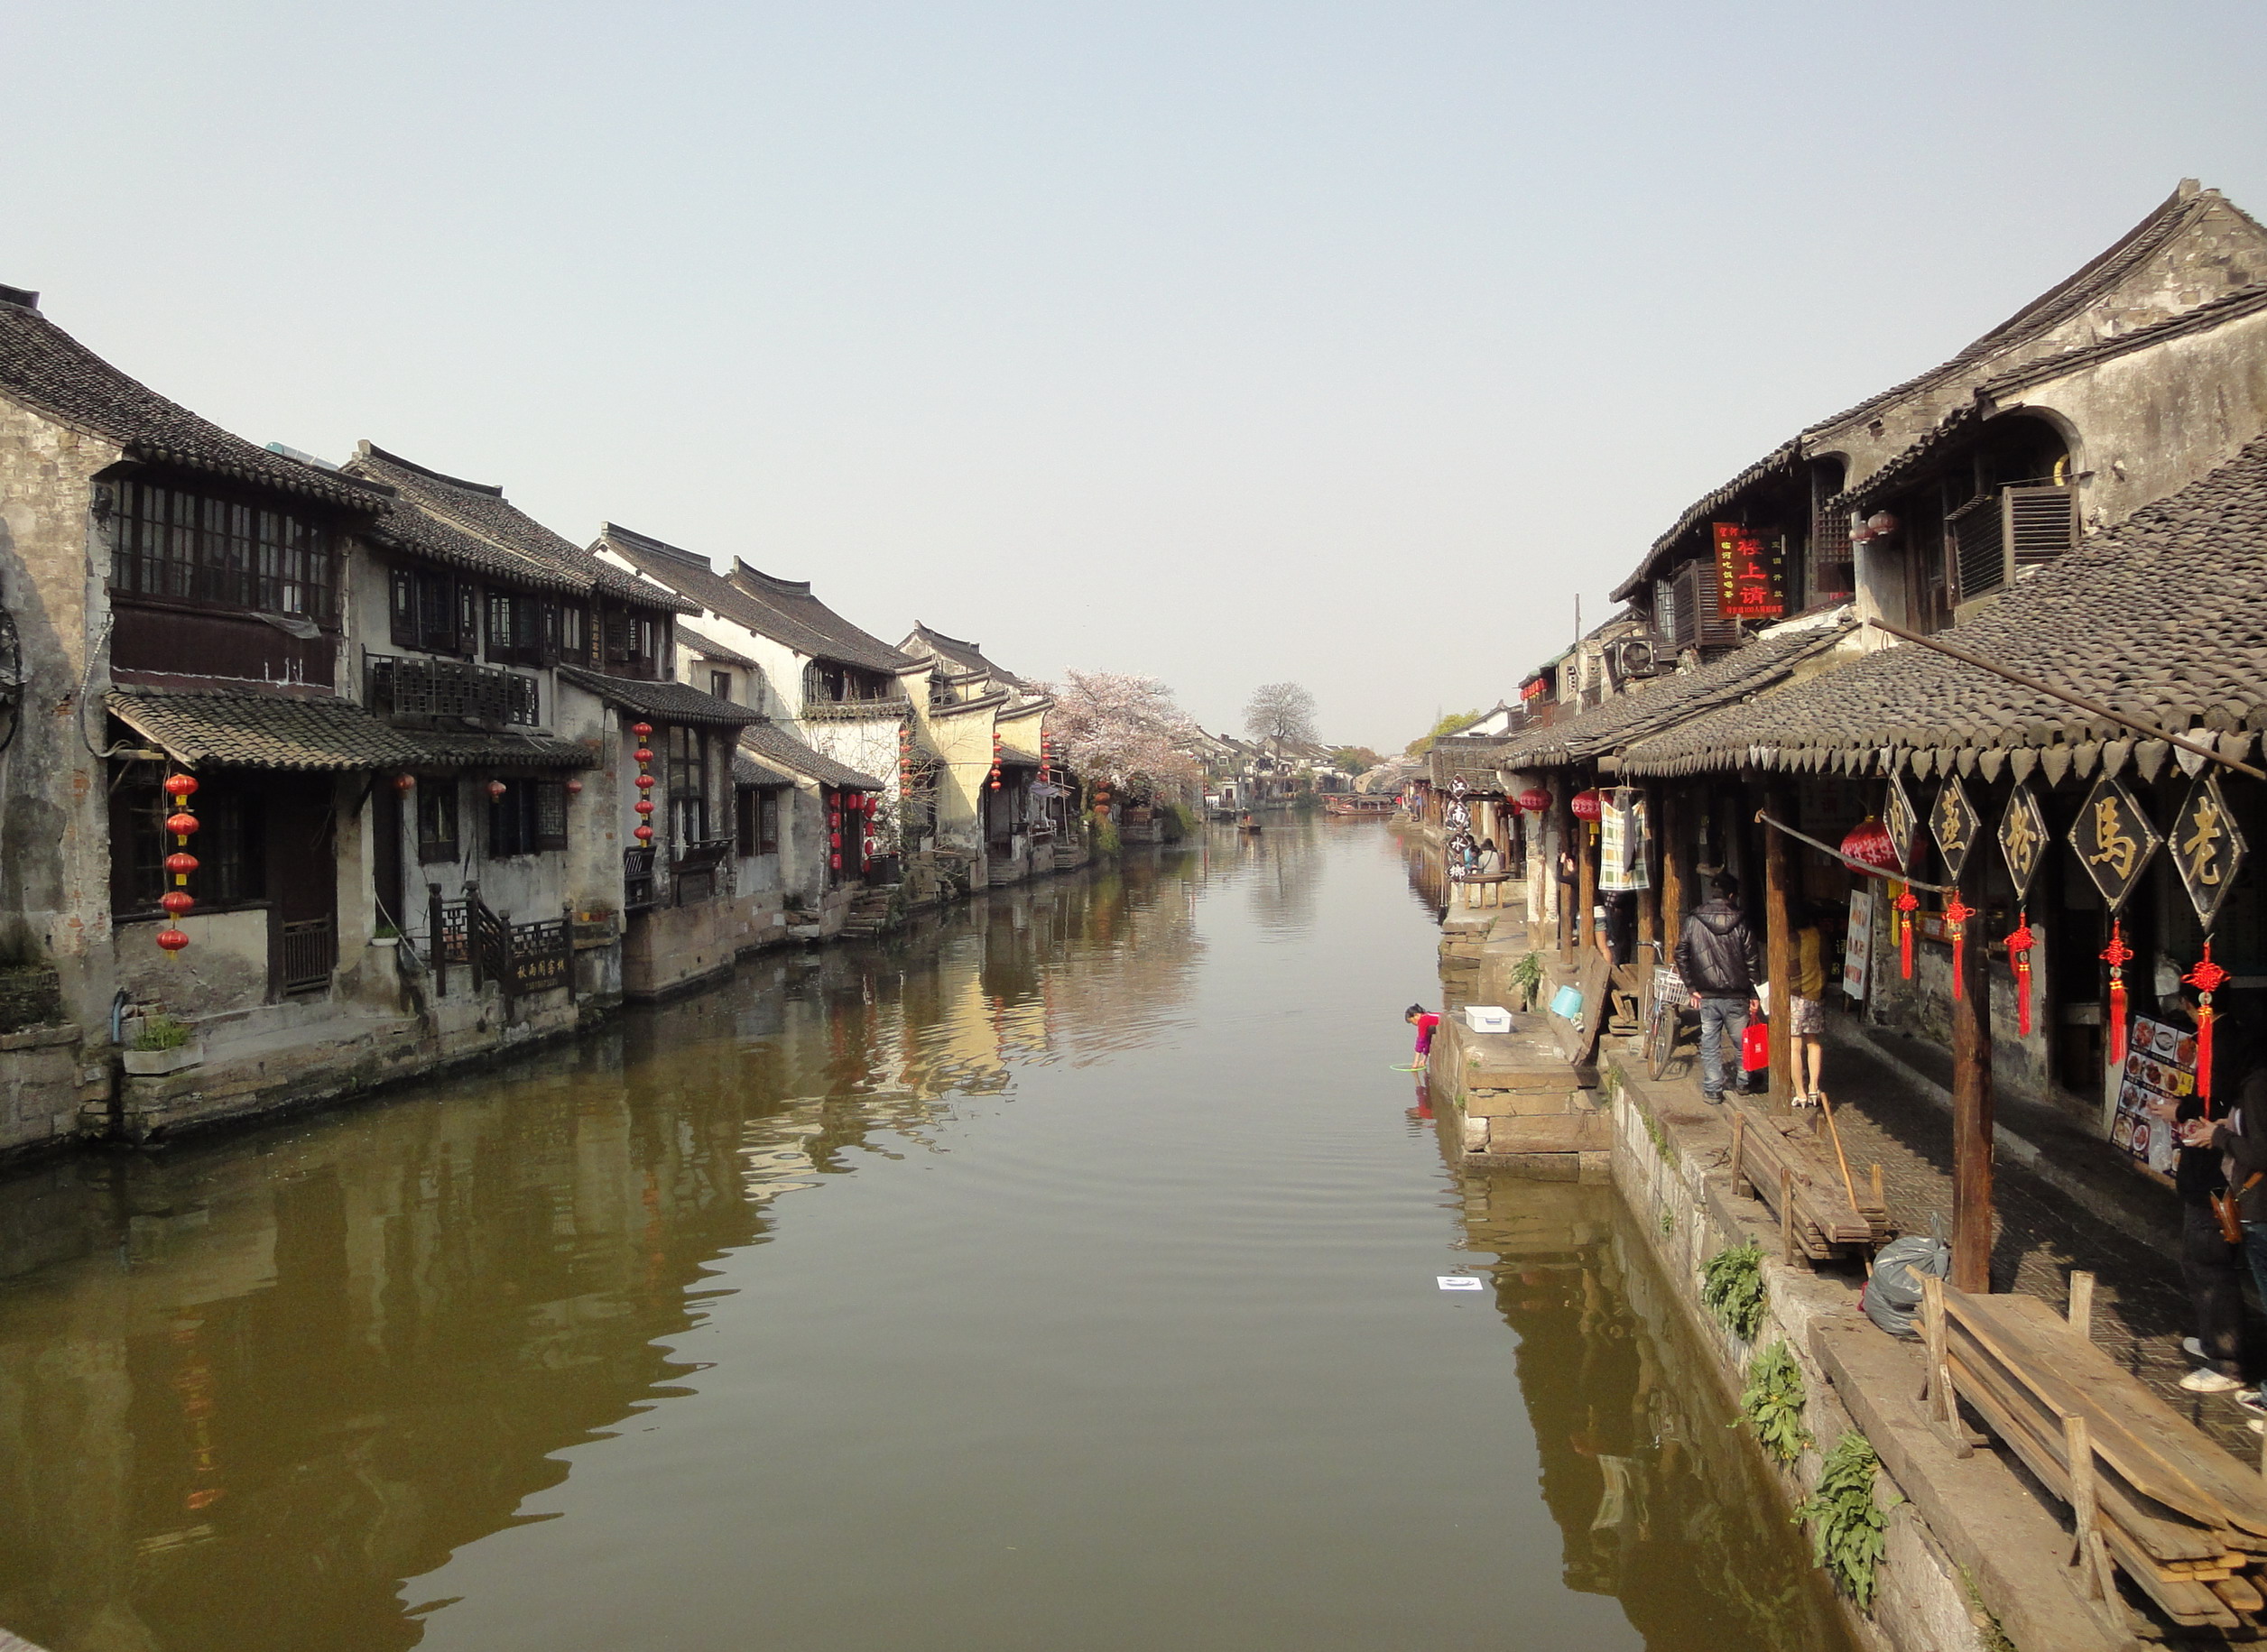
(2159, 1066)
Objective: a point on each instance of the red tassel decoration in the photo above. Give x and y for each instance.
(1956, 920)
(1907, 904)
(2205, 978)
(2019, 946)
(2117, 954)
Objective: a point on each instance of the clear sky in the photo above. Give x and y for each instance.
(1228, 342)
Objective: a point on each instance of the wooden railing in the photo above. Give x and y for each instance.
(637, 880)
(533, 957)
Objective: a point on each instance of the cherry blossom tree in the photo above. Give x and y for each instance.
(1124, 730)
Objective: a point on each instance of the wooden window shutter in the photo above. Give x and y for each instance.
(1714, 630)
(1975, 548)
(404, 608)
(550, 815)
(1832, 571)
(1665, 609)
(617, 637)
(744, 813)
(1685, 607)
(467, 617)
(2038, 524)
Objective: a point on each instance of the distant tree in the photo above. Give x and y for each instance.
(1354, 759)
(1125, 730)
(1448, 724)
(1281, 715)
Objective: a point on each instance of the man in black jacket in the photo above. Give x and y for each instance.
(1721, 961)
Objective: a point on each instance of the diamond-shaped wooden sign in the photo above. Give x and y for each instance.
(1902, 822)
(1953, 825)
(2113, 840)
(2206, 846)
(2022, 838)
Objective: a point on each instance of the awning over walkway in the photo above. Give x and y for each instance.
(669, 702)
(251, 730)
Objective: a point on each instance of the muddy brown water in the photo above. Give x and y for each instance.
(1064, 1279)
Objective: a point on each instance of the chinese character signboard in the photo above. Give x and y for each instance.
(1857, 947)
(2160, 1068)
(1751, 577)
(2113, 840)
(1902, 822)
(2022, 838)
(2207, 847)
(1953, 825)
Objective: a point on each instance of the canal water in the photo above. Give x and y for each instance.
(1065, 1278)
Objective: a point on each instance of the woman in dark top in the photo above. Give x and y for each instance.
(2240, 1140)
(2208, 1263)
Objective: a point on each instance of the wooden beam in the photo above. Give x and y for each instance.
(1779, 947)
(1972, 1096)
(1676, 870)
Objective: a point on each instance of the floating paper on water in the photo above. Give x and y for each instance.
(1457, 1281)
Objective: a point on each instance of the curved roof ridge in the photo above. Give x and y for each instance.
(646, 542)
(368, 449)
(934, 635)
(744, 569)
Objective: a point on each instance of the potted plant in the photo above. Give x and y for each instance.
(164, 1044)
(385, 935)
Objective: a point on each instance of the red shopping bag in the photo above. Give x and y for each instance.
(1755, 1047)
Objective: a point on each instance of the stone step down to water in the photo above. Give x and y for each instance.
(1514, 1100)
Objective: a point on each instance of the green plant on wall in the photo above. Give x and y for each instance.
(1845, 1523)
(1668, 1222)
(1773, 1403)
(1527, 975)
(161, 1032)
(1731, 1288)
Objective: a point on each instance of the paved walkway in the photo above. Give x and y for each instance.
(2064, 1201)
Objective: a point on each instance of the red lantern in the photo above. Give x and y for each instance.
(834, 840)
(177, 901)
(1534, 799)
(180, 826)
(1868, 842)
(644, 834)
(995, 785)
(644, 806)
(1588, 804)
(173, 940)
(574, 789)
(180, 787)
(642, 756)
(181, 863)
(835, 860)
(496, 789)
(1882, 523)
(641, 730)
(872, 844)
(405, 783)
(645, 782)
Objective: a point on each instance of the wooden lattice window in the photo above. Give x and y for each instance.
(234, 552)
(529, 818)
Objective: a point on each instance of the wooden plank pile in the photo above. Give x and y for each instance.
(2151, 1494)
(1823, 1211)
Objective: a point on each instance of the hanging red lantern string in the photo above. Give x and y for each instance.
(1534, 799)
(2206, 978)
(1956, 926)
(1869, 841)
(1906, 904)
(2020, 942)
(182, 824)
(2117, 954)
(643, 756)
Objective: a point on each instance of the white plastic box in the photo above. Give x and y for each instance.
(1487, 1018)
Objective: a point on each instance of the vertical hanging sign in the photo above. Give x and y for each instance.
(1751, 575)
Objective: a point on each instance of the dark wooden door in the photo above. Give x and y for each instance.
(302, 864)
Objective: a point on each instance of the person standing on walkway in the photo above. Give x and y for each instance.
(2239, 1141)
(1807, 1009)
(1720, 960)
(2209, 1264)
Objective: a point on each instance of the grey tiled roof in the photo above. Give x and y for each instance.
(671, 702)
(1780, 461)
(783, 610)
(452, 750)
(1613, 725)
(47, 370)
(2160, 617)
(776, 745)
(747, 772)
(251, 730)
(963, 656)
(415, 530)
(480, 510)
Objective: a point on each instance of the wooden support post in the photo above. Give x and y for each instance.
(1585, 888)
(2088, 1552)
(1971, 1098)
(1739, 1147)
(1944, 1400)
(1562, 823)
(1676, 869)
(436, 940)
(1649, 898)
(2082, 1303)
(1779, 942)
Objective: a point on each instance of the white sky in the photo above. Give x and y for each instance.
(1229, 342)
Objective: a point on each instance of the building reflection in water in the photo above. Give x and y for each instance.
(248, 1386)
(1659, 1495)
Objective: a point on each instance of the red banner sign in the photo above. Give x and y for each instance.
(1751, 579)
(1534, 689)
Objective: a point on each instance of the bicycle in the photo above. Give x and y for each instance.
(1662, 1020)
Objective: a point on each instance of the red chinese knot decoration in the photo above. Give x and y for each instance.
(181, 823)
(1907, 903)
(1955, 928)
(2206, 978)
(2020, 941)
(2117, 954)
